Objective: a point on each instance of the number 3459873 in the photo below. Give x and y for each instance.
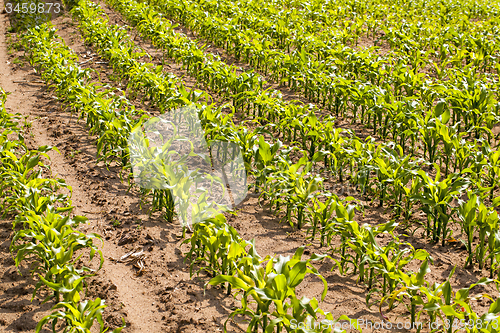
(33, 8)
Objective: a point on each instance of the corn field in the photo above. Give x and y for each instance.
(399, 100)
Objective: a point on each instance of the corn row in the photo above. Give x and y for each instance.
(45, 233)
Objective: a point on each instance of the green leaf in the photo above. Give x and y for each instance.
(32, 162)
(297, 274)
(234, 281)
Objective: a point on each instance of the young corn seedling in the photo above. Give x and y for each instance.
(467, 214)
(439, 301)
(493, 242)
(391, 170)
(411, 289)
(77, 317)
(294, 186)
(492, 170)
(52, 240)
(474, 214)
(273, 286)
(388, 261)
(22, 174)
(265, 154)
(436, 197)
(214, 246)
(320, 214)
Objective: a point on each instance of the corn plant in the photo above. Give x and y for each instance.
(23, 184)
(69, 282)
(274, 285)
(52, 240)
(327, 218)
(436, 197)
(440, 301)
(293, 186)
(320, 214)
(264, 157)
(388, 261)
(411, 287)
(474, 215)
(493, 242)
(492, 170)
(392, 170)
(430, 132)
(77, 318)
(214, 246)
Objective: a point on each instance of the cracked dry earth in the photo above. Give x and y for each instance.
(163, 298)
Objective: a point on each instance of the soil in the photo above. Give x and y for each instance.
(163, 298)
